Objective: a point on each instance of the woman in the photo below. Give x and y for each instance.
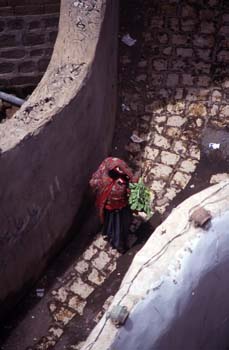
(111, 185)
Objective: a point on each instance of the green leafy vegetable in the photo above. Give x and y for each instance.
(139, 198)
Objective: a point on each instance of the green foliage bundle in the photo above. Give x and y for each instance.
(139, 198)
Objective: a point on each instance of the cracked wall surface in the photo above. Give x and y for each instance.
(50, 146)
(176, 288)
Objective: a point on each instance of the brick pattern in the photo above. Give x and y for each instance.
(28, 32)
(174, 81)
(71, 298)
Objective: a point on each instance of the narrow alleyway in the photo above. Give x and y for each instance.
(173, 95)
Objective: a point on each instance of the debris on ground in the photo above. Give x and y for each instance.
(213, 145)
(200, 217)
(7, 110)
(126, 39)
(215, 179)
(118, 315)
(40, 292)
(135, 138)
(125, 108)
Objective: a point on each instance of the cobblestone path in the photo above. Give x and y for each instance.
(174, 82)
(173, 85)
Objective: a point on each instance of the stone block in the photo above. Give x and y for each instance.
(169, 158)
(64, 315)
(188, 25)
(203, 80)
(224, 31)
(179, 39)
(96, 277)
(6, 11)
(80, 288)
(203, 54)
(176, 108)
(204, 41)
(7, 40)
(197, 110)
(161, 171)
(172, 79)
(184, 52)
(35, 24)
(176, 121)
(15, 23)
(173, 132)
(32, 39)
(61, 295)
(181, 179)
(27, 67)
(216, 96)
(28, 10)
(188, 11)
(13, 53)
(161, 141)
(194, 152)
(151, 153)
(223, 56)
(77, 304)
(157, 185)
(90, 252)
(56, 332)
(188, 79)
(207, 27)
(82, 266)
(101, 261)
(6, 67)
(215, 179)
(224, 111)
(36, 52)
(160, 64)
(100, 242)
(188, 166)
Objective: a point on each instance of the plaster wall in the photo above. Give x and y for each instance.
(176, 288)
(51, 146)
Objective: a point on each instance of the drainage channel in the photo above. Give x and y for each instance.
(171, 103)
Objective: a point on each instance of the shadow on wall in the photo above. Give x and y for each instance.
(190, 309)
(50, 147)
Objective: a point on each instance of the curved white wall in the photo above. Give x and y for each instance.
(177, 286)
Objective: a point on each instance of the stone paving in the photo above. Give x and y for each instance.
(70, 300)
(178, 86)
(173, 82)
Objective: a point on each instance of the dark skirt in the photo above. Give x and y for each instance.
(116, 227)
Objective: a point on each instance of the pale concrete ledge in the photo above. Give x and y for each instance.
(50, 147)
(177, 287)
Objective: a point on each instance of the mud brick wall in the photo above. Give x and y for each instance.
(53, 144)
(28, 31)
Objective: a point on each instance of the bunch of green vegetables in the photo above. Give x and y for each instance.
(139, 198)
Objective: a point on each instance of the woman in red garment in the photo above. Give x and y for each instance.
(110, 184)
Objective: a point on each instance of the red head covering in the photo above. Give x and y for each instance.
(111, 193)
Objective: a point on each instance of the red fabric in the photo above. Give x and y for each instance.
(110, 194)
